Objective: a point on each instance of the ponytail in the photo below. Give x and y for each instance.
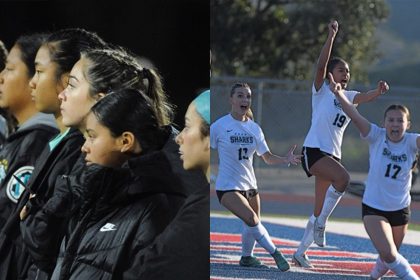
(114, 69)
(155, 92)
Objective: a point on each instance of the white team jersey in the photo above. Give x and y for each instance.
(236, 143)
(328, 121)
(389, 179)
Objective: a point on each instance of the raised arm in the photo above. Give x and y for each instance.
(324, 57)
(290, 158)
(359, 121)
(371, 94)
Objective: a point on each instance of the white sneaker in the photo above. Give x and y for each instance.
(319, 234)
(302, 261)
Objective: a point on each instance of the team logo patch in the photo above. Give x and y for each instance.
(14, 188)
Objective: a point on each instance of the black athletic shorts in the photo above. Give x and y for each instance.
(312, 155)
(247, 194)
(395, 218)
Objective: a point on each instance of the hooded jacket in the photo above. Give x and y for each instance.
(135, 204)
(49, 166)
(18, 157)
(185, 241)
(131, 206)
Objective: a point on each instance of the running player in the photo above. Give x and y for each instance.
(322, 146)
(237, 137)
(386, 200)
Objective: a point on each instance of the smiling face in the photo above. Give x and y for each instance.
(75, 98)
(194, 148)
(101, 147)
(396, 123)
(15, 92)
(241, 102)
(44, 84)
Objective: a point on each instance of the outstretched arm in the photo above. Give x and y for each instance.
(290, 158)
(371, 94)
(324, 57)
(361, 123)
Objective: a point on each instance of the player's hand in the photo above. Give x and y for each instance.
(333, 27)
(23, 213)
(383, 87)
(292, 158)
(334, 86)
(25, 210)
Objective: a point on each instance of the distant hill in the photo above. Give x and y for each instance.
(402, 75)
(399, 43)
(404, 19)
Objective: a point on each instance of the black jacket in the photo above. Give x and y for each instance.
(122, 213)
(18, 157)
(154, 183)
(185, 242)
(181, 251)
(48, 167)
(192, 181)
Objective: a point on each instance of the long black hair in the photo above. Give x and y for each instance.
(3, 55)
(131, 110)
(65, 47)
(28, 46)
(332, 63)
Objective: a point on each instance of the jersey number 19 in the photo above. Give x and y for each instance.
(339, 120)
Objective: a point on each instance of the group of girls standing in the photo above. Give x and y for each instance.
(93, 176)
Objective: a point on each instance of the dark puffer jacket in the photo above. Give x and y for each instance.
(18, 157)
(131, 205)
(49, 166)
(121, 212)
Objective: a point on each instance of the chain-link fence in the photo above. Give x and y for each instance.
(283, 110)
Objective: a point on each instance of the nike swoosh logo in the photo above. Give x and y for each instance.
(229, 130)
(108, 227)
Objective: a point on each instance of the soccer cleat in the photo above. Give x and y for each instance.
(280, 260)
(319, 234)
(302, 261)
(251, 261)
